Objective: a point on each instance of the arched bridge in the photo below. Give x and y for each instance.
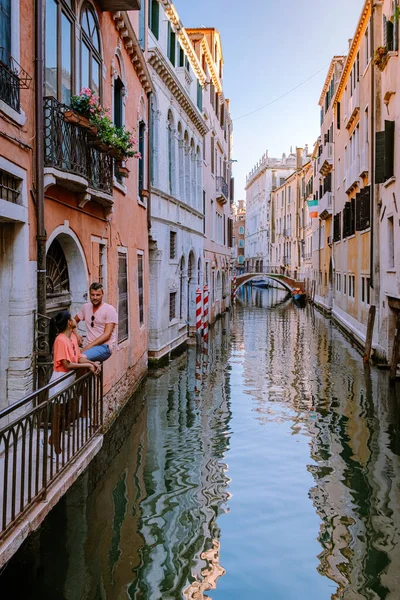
(286, 281)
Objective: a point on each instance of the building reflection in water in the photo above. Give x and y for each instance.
(311, 376)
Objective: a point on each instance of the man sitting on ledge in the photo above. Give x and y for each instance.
(100, 320)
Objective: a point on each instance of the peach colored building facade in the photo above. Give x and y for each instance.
(95, 220)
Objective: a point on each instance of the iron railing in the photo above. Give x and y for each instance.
(222, 188)
(71, 147)
(12, 79)
(39, 437)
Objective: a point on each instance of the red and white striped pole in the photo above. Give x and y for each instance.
(234, 288)
(198, 311)
(205, 312)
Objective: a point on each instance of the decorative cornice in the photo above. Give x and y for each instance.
(365, 14)
(183, 37)
(335, 59)
(127, 34)
(167, 75)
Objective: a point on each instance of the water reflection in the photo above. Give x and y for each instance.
(266, 466)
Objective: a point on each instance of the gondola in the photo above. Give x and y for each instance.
(299, 297)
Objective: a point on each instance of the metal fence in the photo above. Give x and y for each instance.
(71, 147)
(12, 78)
(39, 437)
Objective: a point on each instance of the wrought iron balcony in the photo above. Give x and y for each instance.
(222, 190)
(12, 79)
(72, 157)
(113, 5)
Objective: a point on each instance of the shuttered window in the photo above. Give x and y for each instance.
(122, 297)
(172, 306)
(172, 244)
(337, 227)
(349, 218)
(230, 233)
(363, 207)
(338, 115)
(199, 96)
(154, 17)
(171, 44)
(140, 288)
(384, 157)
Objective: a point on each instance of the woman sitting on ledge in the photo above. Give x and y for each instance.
(66, 357)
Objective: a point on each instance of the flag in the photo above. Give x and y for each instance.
(313, 208)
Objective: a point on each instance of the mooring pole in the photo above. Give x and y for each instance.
(370, 331)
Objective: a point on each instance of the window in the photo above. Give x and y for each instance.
(241, 243)
(122, 297)
(171, 44)
(99, 261)
(384, 155)
(141, 160)
(118, 102)
(241, 230)
(362, 289)
(171, 153)
(345, 283)
(363, 206)
(140, 287)
(289, 194)
(58, 48)
(240, 260)
(10, 188)
(390, 243)
(366, 47)
(172, 245)
(172, 306)
(368, 289)
(181, 288)
(199, 96)
(212, 154)
(154, 17)
(90, 51)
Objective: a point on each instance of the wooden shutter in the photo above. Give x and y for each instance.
(199, 96)
(380, 157)
(359, 201)
(352, 223)
(155, 18)
(366, 208)
(230, 233)
(232, 189)
(122, 297)
(336, 228)
(389, 149)
(338, 115)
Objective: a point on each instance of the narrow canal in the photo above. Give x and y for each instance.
(267, 469)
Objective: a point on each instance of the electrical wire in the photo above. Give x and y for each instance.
(283, 95)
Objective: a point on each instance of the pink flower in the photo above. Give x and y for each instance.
(138, 155)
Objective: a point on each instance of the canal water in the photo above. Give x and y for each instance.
(266, 467)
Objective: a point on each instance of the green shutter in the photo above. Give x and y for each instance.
(199, 96)
(380, 157)
(389, 150)
(155, 18)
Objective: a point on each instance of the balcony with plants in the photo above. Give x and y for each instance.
(83, 148)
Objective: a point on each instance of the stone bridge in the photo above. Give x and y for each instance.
(286, 282)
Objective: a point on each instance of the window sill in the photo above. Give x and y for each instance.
(122, 345)
(391, 270)
(173, 322)
(141, 202)
(389, 181)
(19, 118)
(120, 186)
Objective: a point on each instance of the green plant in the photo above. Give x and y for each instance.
(87, 104)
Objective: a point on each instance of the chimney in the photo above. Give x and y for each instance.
(299, 158)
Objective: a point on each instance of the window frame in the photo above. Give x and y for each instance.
(140, 279)
(94, 54)
(123, 252)
(62, 9)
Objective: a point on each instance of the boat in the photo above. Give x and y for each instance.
(260, 283)
(299, 297)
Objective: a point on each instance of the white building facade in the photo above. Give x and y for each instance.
(177, 224)
(266, 176)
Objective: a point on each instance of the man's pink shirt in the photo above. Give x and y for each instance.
(104, 314)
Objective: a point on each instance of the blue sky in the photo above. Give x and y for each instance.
(269, 48)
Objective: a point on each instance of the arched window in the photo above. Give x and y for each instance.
(171, 153)
(199, 167)
(181, 287)
(193, 174)
(187, 168)
(181, 150)
(90, 50)
(59, 49)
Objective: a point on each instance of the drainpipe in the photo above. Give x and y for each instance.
(41, 236)
(395, 26)
(149, 161)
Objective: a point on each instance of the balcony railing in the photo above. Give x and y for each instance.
(70, 148)
(40, 436)
(364, 160)
(325, 160)
(325, 205)
(12, 79)
(353, 107)
(222, 189)
(352, 175)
